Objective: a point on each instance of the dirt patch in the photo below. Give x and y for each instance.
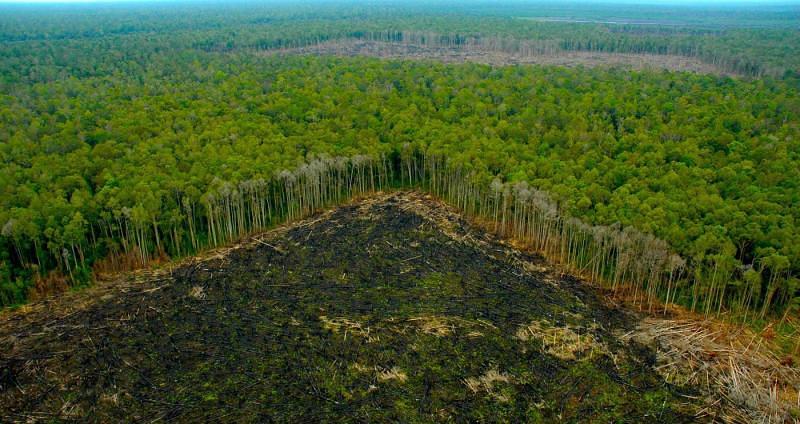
(484, 55)
(387, 309)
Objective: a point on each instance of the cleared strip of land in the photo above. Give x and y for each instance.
(487, 55)
(359, 311)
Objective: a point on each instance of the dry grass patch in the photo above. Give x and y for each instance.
(392, 374)
(361, 368)
(349, 327)
(382, 374)
(434, 325)
(487, 382)
(442, 326)
(560, 341)
(197, 292)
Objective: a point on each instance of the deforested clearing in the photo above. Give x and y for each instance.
(498, 57)
(389, 308)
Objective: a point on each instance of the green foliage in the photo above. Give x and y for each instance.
(152, 137)
(13, 292)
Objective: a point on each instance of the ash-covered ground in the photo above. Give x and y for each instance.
(387, 309)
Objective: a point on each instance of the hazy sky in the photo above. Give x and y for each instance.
(649, 2)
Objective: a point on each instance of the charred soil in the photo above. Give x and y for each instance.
(386, 309)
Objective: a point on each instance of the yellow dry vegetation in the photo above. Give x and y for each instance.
(348, 327)
(392, 374)
(487, 382)
(561, 341)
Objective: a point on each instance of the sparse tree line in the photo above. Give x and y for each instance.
(131, 237)
(622, 258)
(232, 211)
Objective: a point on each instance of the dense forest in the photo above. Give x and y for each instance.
(130, 135)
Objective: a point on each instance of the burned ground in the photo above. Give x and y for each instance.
(389, 309)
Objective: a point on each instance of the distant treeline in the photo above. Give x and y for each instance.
(752, 53)
(48, 44)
